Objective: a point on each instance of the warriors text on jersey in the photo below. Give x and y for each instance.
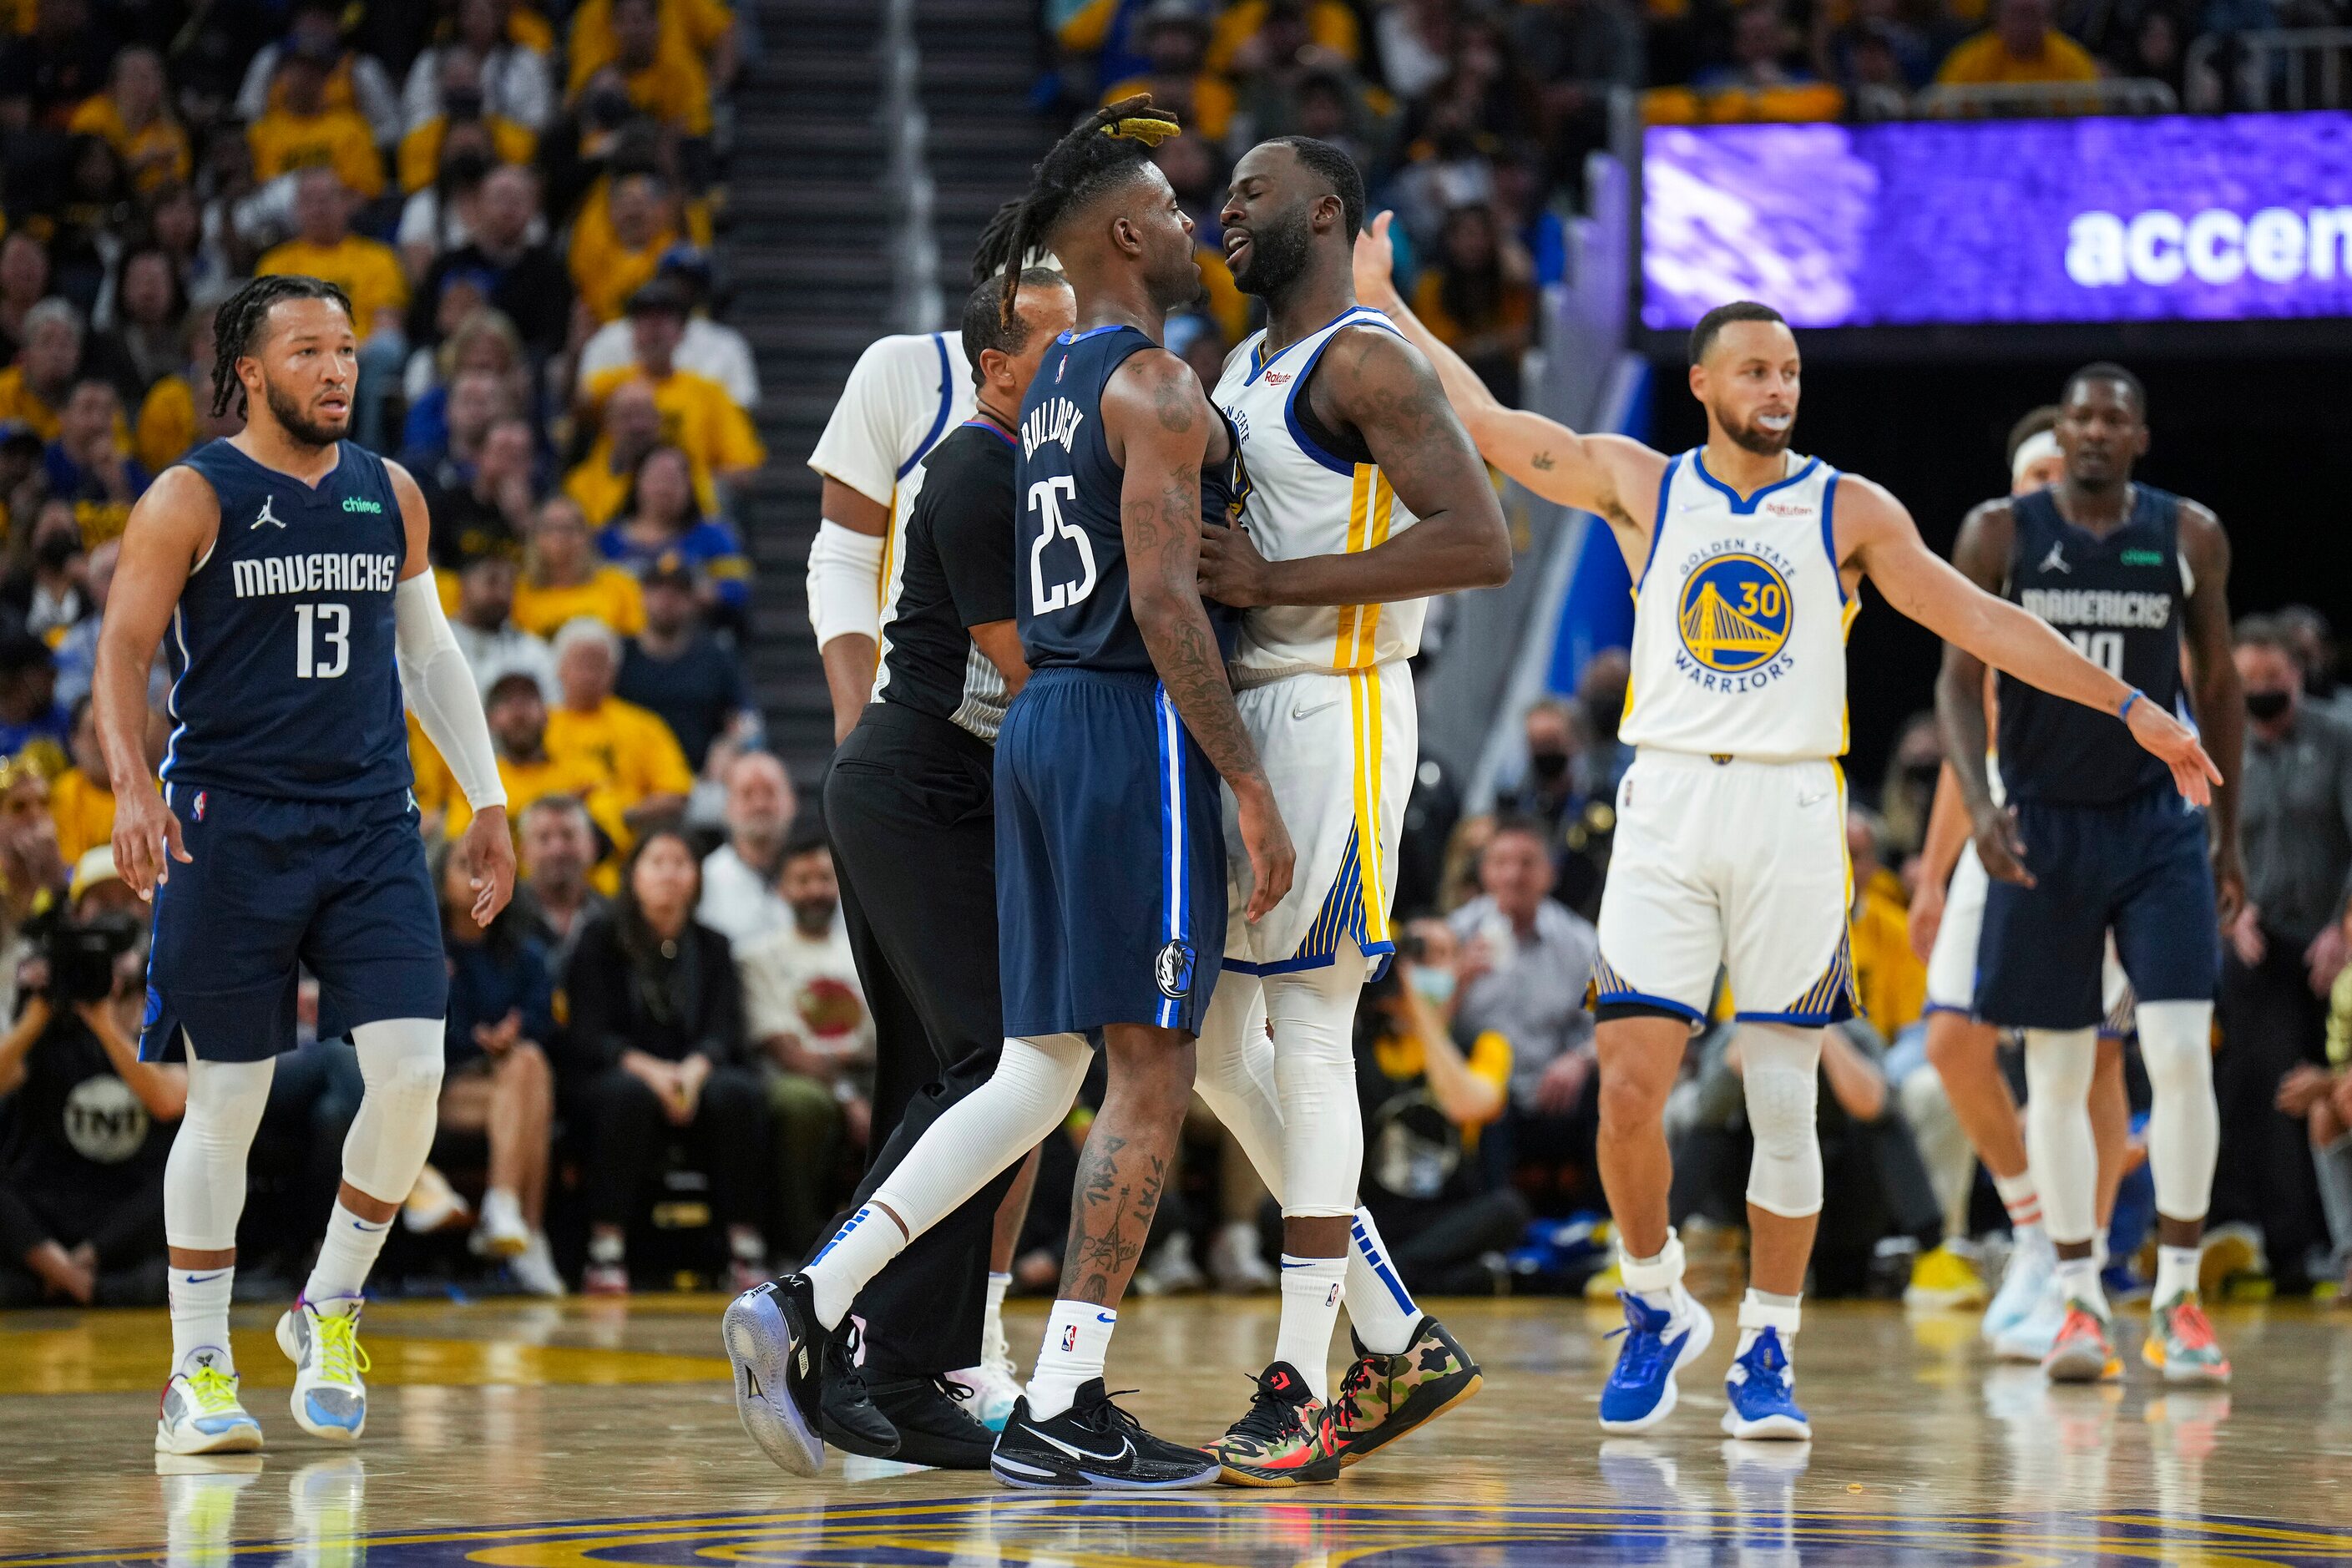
(1739, 618)
(2117, 597)
(284, 683)
(1313, 492)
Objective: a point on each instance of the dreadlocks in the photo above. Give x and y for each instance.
(239, 323)
(1106, 150)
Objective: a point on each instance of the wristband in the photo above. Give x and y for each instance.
(2124, 711)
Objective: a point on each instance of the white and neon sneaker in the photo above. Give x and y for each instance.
(985, 1392)
(2032, 1268)
(330, 1400)
(200, 1414)
(2031, 1337)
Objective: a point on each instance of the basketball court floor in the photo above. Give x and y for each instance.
(588, 1434)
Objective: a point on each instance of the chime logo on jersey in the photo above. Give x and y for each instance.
(1735, 617)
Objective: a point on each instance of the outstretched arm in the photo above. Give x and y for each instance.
(1878, 533)
(1373, 380)
(1157, 422)
(1610, 476)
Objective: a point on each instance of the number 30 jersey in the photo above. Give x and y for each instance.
(1739, 619)
(284, 683)
(1069, 560)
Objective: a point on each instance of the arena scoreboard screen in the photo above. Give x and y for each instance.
(2235, 218)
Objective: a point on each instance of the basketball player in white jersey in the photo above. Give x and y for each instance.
(1730, 848)
(1364, 495)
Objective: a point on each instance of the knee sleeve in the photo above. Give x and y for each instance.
(1781, 1071)
(2059, 1147)
(399, 1063)
(1312, 1017)
(2184, 1123)
(1235, 1074)
(1035, 1081)
(203, 1175)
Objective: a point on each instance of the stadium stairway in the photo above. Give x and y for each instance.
(809, 250)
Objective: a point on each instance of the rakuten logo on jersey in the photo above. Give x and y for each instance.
(2277, 245)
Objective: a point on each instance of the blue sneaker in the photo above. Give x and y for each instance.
(2032, 1265)
(1761, 1389)
(1641, 1391)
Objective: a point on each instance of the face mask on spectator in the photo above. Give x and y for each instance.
(2267, 706)
(1548, 766)
(462, 102)
(465, 166)
(1431, 984)
(56, 550)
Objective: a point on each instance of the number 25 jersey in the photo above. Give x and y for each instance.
(1739, 619)
(284, 683)
(1069, 559)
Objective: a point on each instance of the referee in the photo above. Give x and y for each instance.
(909, 805)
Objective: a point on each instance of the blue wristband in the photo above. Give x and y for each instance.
(2124, 711)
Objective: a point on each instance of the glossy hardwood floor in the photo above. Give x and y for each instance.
(559, 1436)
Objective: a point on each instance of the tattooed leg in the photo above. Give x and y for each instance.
(1127, 1160)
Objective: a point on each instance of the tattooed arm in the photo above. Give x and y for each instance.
(1156, 423)
(1371, 380)
(1612, 477)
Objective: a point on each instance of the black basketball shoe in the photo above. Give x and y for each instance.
(846, 1412)
(933, 1430)
(772, 1337)
(1094, 1446)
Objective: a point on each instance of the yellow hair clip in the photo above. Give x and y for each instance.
(1152, 133)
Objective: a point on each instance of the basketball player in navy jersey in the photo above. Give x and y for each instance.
(1110, 840)
(288, 565)
(2096, 839)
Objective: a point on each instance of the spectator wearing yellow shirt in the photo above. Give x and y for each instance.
(2021, 47)
(134, 118)
(1176, 41)
(703, 30)
(299, 132)
(1330, 26)
(34, 390)
(632, 429)
(661, 78)
(1888, 976)
(564, 578)
(461, 103)
(173, 417)
(368, 270)
(617, 242)
(630, 743)
(518, 730)
(697, 415)
(81, 798)
(354, 81)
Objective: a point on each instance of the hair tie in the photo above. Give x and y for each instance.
(1152, 133)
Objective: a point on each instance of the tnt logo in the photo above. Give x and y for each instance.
(1069, 1339)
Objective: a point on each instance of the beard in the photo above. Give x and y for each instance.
(297, 423)
(1278, 252)
(1177, 283)
(1755, 437)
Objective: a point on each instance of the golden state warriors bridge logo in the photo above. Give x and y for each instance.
(1733, 619)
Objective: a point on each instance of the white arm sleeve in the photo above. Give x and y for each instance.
(845, 584)
(440, 688)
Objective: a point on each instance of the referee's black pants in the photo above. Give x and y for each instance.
(910, 806)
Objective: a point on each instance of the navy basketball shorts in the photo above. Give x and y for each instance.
(339, 886)
(2140, 868)
(1110, 857)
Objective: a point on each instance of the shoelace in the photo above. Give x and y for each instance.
(214, 1390)
(1644, 1347)
(342, 1357)
(2190, 1326)
(1106, 1417)
(1271, 1418)
(1348, 1408)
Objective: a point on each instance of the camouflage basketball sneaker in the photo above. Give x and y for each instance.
(2181, 1343)
(1284, 1441)
(1385, 1397)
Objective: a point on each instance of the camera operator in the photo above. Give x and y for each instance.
(81, 1172)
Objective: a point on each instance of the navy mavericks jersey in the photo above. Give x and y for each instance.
(1069, 567)
(2118, 600)
(283, 679)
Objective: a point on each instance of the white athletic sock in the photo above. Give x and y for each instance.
(993, 1346)
(2079, 1278)
(2023, 1202)
(1077, 1339)
(865, 1243)
(1762, 1310)
(345, 1255)
(2176, 1273)
(1379, 1307)
(1312, 1288)
(199, 1313)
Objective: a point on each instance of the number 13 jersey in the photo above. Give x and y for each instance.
(284, 683)
(1739, 619)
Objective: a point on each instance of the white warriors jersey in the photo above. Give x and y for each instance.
(1301, 498)
(1739, 619)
